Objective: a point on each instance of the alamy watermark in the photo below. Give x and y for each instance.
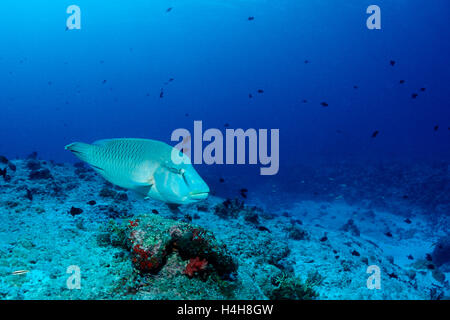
(374, 21)
(229, 150)
(374, 280)
(74, 280)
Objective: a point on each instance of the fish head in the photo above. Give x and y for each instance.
(180, 184)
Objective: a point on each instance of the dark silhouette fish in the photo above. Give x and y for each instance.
(324, 104)
(251, 18)
(375, 133)
(3, 173)
(392, 62)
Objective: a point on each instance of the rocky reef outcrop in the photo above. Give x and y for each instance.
(151, 239)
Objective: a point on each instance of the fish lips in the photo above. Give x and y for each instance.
(198, 196)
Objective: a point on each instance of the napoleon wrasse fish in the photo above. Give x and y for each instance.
(144, 166)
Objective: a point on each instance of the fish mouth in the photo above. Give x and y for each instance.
(198, 195)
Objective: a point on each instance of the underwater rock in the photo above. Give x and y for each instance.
(152, 238)
(114, 211)
(351, 227)
(296, 233)
(33, 165)
(229, 208)
(289, 287)
(251, 217)
(202, 208)
(121, 196)
(195, 267)
(107, 192)
(12, 166)
(441, 252)
(40, 174)
(75, 211)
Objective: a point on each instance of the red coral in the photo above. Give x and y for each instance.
(199, 235)
(134, 223)
(143, 259)
(195, 265)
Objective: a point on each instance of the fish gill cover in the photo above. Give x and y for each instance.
(306, 149)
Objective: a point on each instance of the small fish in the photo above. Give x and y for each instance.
(262, 228)
(414, 95)
(221, 180)
(324, 104)
(250, 96)
(306, 61)
(29, 195)
(251, 18)
(104, 81)
(3, 173)
(260, 91)
(75, 211)
(169, 9)
(402, 81)
(161, 94)
(355, 87)
(392, 62)
(375, 133)
(19, 272)
(305, 101)
(436, 127)
(226, 125)
(423, 89)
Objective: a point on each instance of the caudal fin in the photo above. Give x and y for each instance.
(80, 149)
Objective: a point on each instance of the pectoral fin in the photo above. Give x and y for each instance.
(143, 188)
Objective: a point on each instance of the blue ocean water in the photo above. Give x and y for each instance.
(363, 115)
